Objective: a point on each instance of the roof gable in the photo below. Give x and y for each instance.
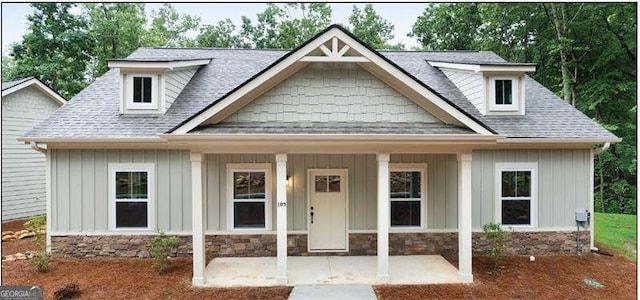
(337, 45)
(14, 86)
(326, 92)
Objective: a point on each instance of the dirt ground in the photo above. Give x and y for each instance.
(549, 277)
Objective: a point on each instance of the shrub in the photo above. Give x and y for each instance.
(67, 291)
(160, 248)
(40, 261)
(498, 242)
(38, 225)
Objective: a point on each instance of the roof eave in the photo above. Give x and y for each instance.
(170, 65)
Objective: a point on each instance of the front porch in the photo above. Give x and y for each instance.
(296, 190)
(321, 270)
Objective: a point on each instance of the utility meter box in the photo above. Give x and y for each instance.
(582, 215)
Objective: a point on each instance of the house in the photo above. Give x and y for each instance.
(332, 148)
(25, 102)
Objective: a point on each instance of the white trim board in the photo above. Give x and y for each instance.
(271, 232)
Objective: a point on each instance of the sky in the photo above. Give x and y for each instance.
(402, 16)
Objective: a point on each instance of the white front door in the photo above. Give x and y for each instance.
(327, 210)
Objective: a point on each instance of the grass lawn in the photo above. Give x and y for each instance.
(617, 233)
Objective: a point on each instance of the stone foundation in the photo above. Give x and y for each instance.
(443, 243)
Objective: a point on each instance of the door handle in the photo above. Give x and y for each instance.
(311, 217)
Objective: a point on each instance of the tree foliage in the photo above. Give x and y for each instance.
(285, 26)
(586, 53)
(54, 50)
(222, 35)
(371, 28)
(169, 28)
(115, 30)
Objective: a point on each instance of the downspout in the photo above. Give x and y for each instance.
(594, 152)
(604, 148)
(38, 148)
(47, 155)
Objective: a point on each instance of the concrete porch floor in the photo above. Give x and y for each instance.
(315, 270)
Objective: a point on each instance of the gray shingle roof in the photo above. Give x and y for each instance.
(94, 112)
(331, 128)
(9, 84)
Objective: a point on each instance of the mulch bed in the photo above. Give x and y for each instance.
(549, 277)
(15, 246)
(127, 279)
(14, 225)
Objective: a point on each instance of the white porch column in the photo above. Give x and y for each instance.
(592, 236)
(281, 211)
(197, 216)
(383, 218)
(464, 218)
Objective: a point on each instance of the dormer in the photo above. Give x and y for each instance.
(151, 86)
(494, 88)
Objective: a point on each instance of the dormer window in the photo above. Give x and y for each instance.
(142, 91)
(503, 94)
(151, 87)
(496, 88)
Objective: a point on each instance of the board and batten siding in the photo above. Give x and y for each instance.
(80, 185)
(174, 82)
(471, 84)
(323, 92)
(563, 184)
(23, 169)
(441, 202)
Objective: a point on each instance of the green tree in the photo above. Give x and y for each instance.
(585, 52)
(371, 28)
(55, 48)
(448, 26)
(7, 67)
(169, 28)
(279, 27)
(115, 30)
(222, 35)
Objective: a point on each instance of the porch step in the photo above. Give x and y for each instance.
(333, 292)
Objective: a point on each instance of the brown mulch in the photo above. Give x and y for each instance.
(15, 246)
(14, 225)
(549, 277)
(127, 279)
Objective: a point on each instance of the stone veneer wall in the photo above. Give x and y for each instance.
(444, 243)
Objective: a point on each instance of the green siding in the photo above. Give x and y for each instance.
(362, 169)
(80, 200)
(563, 184)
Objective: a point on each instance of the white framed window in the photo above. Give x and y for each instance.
(516, 190)
(249, 196)
(407, 193)
(503, 93)
(142, 92)
(131, 194)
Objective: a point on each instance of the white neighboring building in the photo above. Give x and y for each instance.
(25, 103)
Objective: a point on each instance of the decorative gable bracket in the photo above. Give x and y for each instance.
(333, 54)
